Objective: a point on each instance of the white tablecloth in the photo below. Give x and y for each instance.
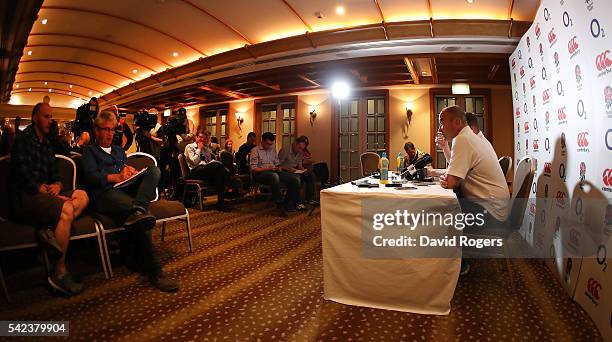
(423, 286)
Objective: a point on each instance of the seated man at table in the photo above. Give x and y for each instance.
(291, 162)
(243, 152)
(474, 171)
(199, 158)
(38, 198)
(105, 165)
(265, 168)
(412, 154)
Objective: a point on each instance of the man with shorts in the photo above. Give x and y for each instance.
(39, 199)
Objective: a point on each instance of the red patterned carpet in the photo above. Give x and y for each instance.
(259, 277)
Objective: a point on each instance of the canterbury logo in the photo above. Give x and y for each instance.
(607, 177)
(518, 113)
(532, 82)
(537, 30)
(546, 95)
(561, 114)
(513, 63)
(522, 71)
(602, 61)
(547, 168)
(582, 168)
(561, 198)
(593, 287)
(526, 126)
(582, 139)
(532, 208)
(572, 46)
(608, 93)
(552, 36)
(536, 144)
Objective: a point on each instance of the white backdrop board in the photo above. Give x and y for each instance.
(562, 96)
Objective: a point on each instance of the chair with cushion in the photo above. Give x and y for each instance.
(523, 179)
(191, 185)
(505, 163)
(163, 210)
(369, 163)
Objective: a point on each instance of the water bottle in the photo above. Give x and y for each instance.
(400, 162)
(384, 169)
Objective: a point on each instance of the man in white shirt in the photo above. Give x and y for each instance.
(203, 167)
(474, 171)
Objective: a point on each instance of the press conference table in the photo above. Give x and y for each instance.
(417, 285)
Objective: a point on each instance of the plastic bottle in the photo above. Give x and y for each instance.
(400, 162)
(384, 169)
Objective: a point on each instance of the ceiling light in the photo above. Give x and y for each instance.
(340, 10)
(460, 88)
(69, 93)
(30, 53)
(424, 72)
(340, 90)
(470, 1)
(44, 21)
(175, 54)
(70, 86)
(45, 82)
(29, 89)
(134, 71)
(17, 85)
(50, 89)
(90, 93)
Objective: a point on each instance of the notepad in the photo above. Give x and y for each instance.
(130, 180)
(299, 171)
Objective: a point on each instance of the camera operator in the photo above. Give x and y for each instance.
(122, 130)
(85, 116)
(174, 128)
(145, 122)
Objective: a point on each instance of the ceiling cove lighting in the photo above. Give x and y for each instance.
(44, 21)
(460, 88)
(340, 10)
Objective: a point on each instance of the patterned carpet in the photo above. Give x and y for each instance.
(259, 277)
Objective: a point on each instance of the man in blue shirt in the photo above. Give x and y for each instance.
(104, 165)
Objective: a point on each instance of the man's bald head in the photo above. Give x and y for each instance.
(41, 117)
(452, 120)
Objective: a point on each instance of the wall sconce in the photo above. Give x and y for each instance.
(313, 114)
(409, 106)
(239, 119)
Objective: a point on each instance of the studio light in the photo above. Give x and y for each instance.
(340, 90)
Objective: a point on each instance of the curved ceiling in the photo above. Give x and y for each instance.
(88, 47)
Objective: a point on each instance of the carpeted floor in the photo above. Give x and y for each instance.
(259, 277)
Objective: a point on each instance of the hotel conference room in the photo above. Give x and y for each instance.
(306, 170)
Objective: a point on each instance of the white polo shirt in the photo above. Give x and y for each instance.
(475, 162)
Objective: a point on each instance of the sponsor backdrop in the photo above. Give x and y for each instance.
(562, 95)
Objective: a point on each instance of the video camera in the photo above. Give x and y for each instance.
(145, 120)
(85, 116)
(176, 123)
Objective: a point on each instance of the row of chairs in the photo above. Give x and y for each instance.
(14, 236)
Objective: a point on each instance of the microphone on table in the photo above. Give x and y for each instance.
(413, 170)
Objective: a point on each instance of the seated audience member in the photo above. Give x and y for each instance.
(83, 141)
(200, 161)
(412, 154)
(291, 162)
(474, 170)
(265, 168)
(229, 144)
(38, 198)
(104, 165)
(307, 161)
(243, 152)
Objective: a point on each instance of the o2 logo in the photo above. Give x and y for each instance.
(596, 29)
(567, 21)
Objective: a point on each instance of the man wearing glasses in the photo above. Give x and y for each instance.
(104, 165)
